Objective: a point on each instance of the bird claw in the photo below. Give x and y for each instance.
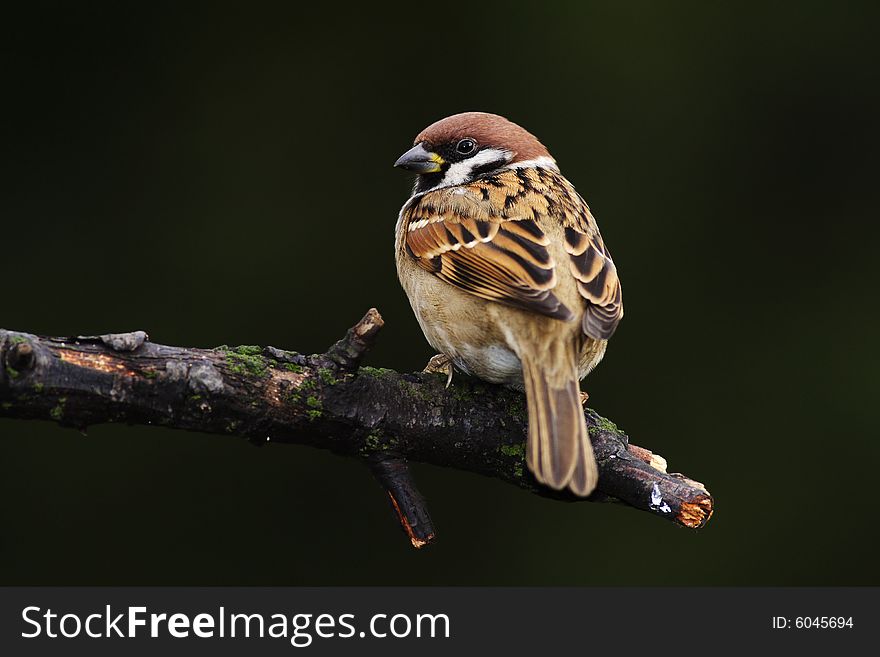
(440, 364)
(584, 397)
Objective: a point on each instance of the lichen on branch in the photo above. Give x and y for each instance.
(325, 400)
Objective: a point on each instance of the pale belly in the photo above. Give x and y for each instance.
(465, 331)
(495, 362)
(480, 336)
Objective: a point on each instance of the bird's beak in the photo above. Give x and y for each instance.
(420, 160)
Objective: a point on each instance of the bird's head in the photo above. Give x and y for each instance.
(462, 147)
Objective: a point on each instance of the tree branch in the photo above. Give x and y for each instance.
(324, 400)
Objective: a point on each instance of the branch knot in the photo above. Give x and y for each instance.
(348, 352)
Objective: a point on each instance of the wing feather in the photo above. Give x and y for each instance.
(461, 241)
(485, 239)
(598, 283)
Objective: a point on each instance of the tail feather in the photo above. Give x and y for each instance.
(559, 451)
(586, 474)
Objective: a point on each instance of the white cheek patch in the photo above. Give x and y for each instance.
(462, 172)
(542, 162)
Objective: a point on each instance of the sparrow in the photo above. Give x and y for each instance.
(509, 278)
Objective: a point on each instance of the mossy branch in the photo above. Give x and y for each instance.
(323, 400)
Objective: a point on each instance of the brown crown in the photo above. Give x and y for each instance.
(487, 130)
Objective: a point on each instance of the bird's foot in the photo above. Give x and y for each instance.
(440, 364)
(584, 397)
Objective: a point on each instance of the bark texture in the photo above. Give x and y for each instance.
(324, 400)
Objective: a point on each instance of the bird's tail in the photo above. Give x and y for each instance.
(559, 451)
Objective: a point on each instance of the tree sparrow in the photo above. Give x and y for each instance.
(509, 278)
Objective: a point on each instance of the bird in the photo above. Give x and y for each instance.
(509, 278)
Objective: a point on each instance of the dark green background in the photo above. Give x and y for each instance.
(224, 176)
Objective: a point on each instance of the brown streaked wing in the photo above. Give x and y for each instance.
(598, 283)
(499, 259)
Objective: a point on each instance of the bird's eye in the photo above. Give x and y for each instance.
(466, 146)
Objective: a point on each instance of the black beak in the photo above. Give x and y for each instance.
(420, 160)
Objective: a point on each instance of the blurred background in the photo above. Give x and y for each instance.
(223, 176)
